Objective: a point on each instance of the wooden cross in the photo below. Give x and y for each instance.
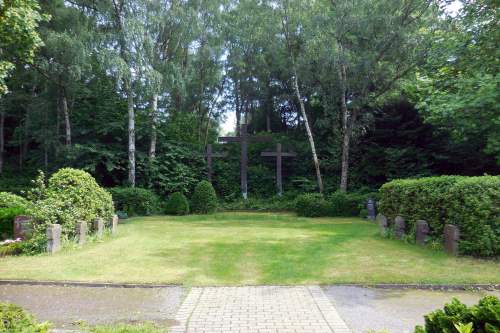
(279, 154)
(209, 154)
(243, 139)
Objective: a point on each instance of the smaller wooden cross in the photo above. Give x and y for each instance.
(279, 154)
(209, 154)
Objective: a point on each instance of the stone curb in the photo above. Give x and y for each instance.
(150, 285)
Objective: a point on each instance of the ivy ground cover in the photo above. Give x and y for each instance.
(250, 248)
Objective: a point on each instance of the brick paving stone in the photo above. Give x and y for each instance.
(258, 309)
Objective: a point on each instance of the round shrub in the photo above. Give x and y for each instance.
(135, 201)
(177, 204)
(14, 319)
(204, 200)
(345, 204)
(311, 205)
(9, 200)
(71, 195)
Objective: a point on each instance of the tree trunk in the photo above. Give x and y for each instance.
(131, 134)
(347, 120)
(154, 111)
(238, 108)
(308, 130)
(2, 138)
(67, 123)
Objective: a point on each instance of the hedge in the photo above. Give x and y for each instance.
(471, 203)
(337, 204)
(135, 200)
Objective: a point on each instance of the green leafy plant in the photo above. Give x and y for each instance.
(311, 205)
(8, 200)
(204, 200)
(458, 317)
(135, 201)
(345, 204)
(13, 319)
(471, 203)
(7, 216)
(177, 204)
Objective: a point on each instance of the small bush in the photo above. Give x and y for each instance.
(14, 319)
(485, 317)
(177, 204)
(204, 200)
(345, 204)
(311, 205)
(9, 200)
(471, 203)
(7, 216)
(135, 201)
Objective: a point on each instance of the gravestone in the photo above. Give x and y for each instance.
(99, 227)
(81, 232)
(451, 238)
(383, 225)
(279, 154)
(243, 140)
(23, 227)
(372, 210)
(53, 238)
(399, 227)
(422, 231)
(114, 224)
(209, 154)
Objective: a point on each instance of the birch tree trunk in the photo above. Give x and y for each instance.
(131, 134)
(67, 123)
(308, 130)
(154, 116)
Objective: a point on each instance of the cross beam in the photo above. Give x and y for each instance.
(279, 154)
(243, 140)
(209, 155)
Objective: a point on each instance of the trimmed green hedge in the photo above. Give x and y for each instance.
(471, 203)
(204, 200)
(135, 201)
(177, 204)
(337, 204)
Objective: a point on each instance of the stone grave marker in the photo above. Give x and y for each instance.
(81, 232)
(23, 227)
(422, 231)
(371, 208)
(451, 238)
(99, 227)
(53, 238)
(383, 225)
(399, 227)
(279, 154)
(114, 224)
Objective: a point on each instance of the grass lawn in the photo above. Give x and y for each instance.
(250, 248)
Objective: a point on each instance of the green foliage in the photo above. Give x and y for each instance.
(7, 216)
(13, 319)
(311, 205)
(471, 203)
(204, 199)
(458, 317)
(9, 200)
(71, 195)
(122, 328)
(177, 204)
(272, 204)
(345, 204)
(135, 201)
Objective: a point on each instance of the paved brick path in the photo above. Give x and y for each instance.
(258, 309)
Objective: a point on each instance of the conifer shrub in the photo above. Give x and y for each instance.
(177, 204)
(471, 203)
(204, 199)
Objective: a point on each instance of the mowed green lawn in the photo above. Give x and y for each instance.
(250, 248)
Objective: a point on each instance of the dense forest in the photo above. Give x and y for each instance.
(362, 91)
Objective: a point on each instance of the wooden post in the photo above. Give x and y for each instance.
(279, 162)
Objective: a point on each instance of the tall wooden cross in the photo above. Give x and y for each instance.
(209, 154)
(279, 154)
(243, 139)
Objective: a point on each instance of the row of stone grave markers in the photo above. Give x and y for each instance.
(451, 232)
(23, 230)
